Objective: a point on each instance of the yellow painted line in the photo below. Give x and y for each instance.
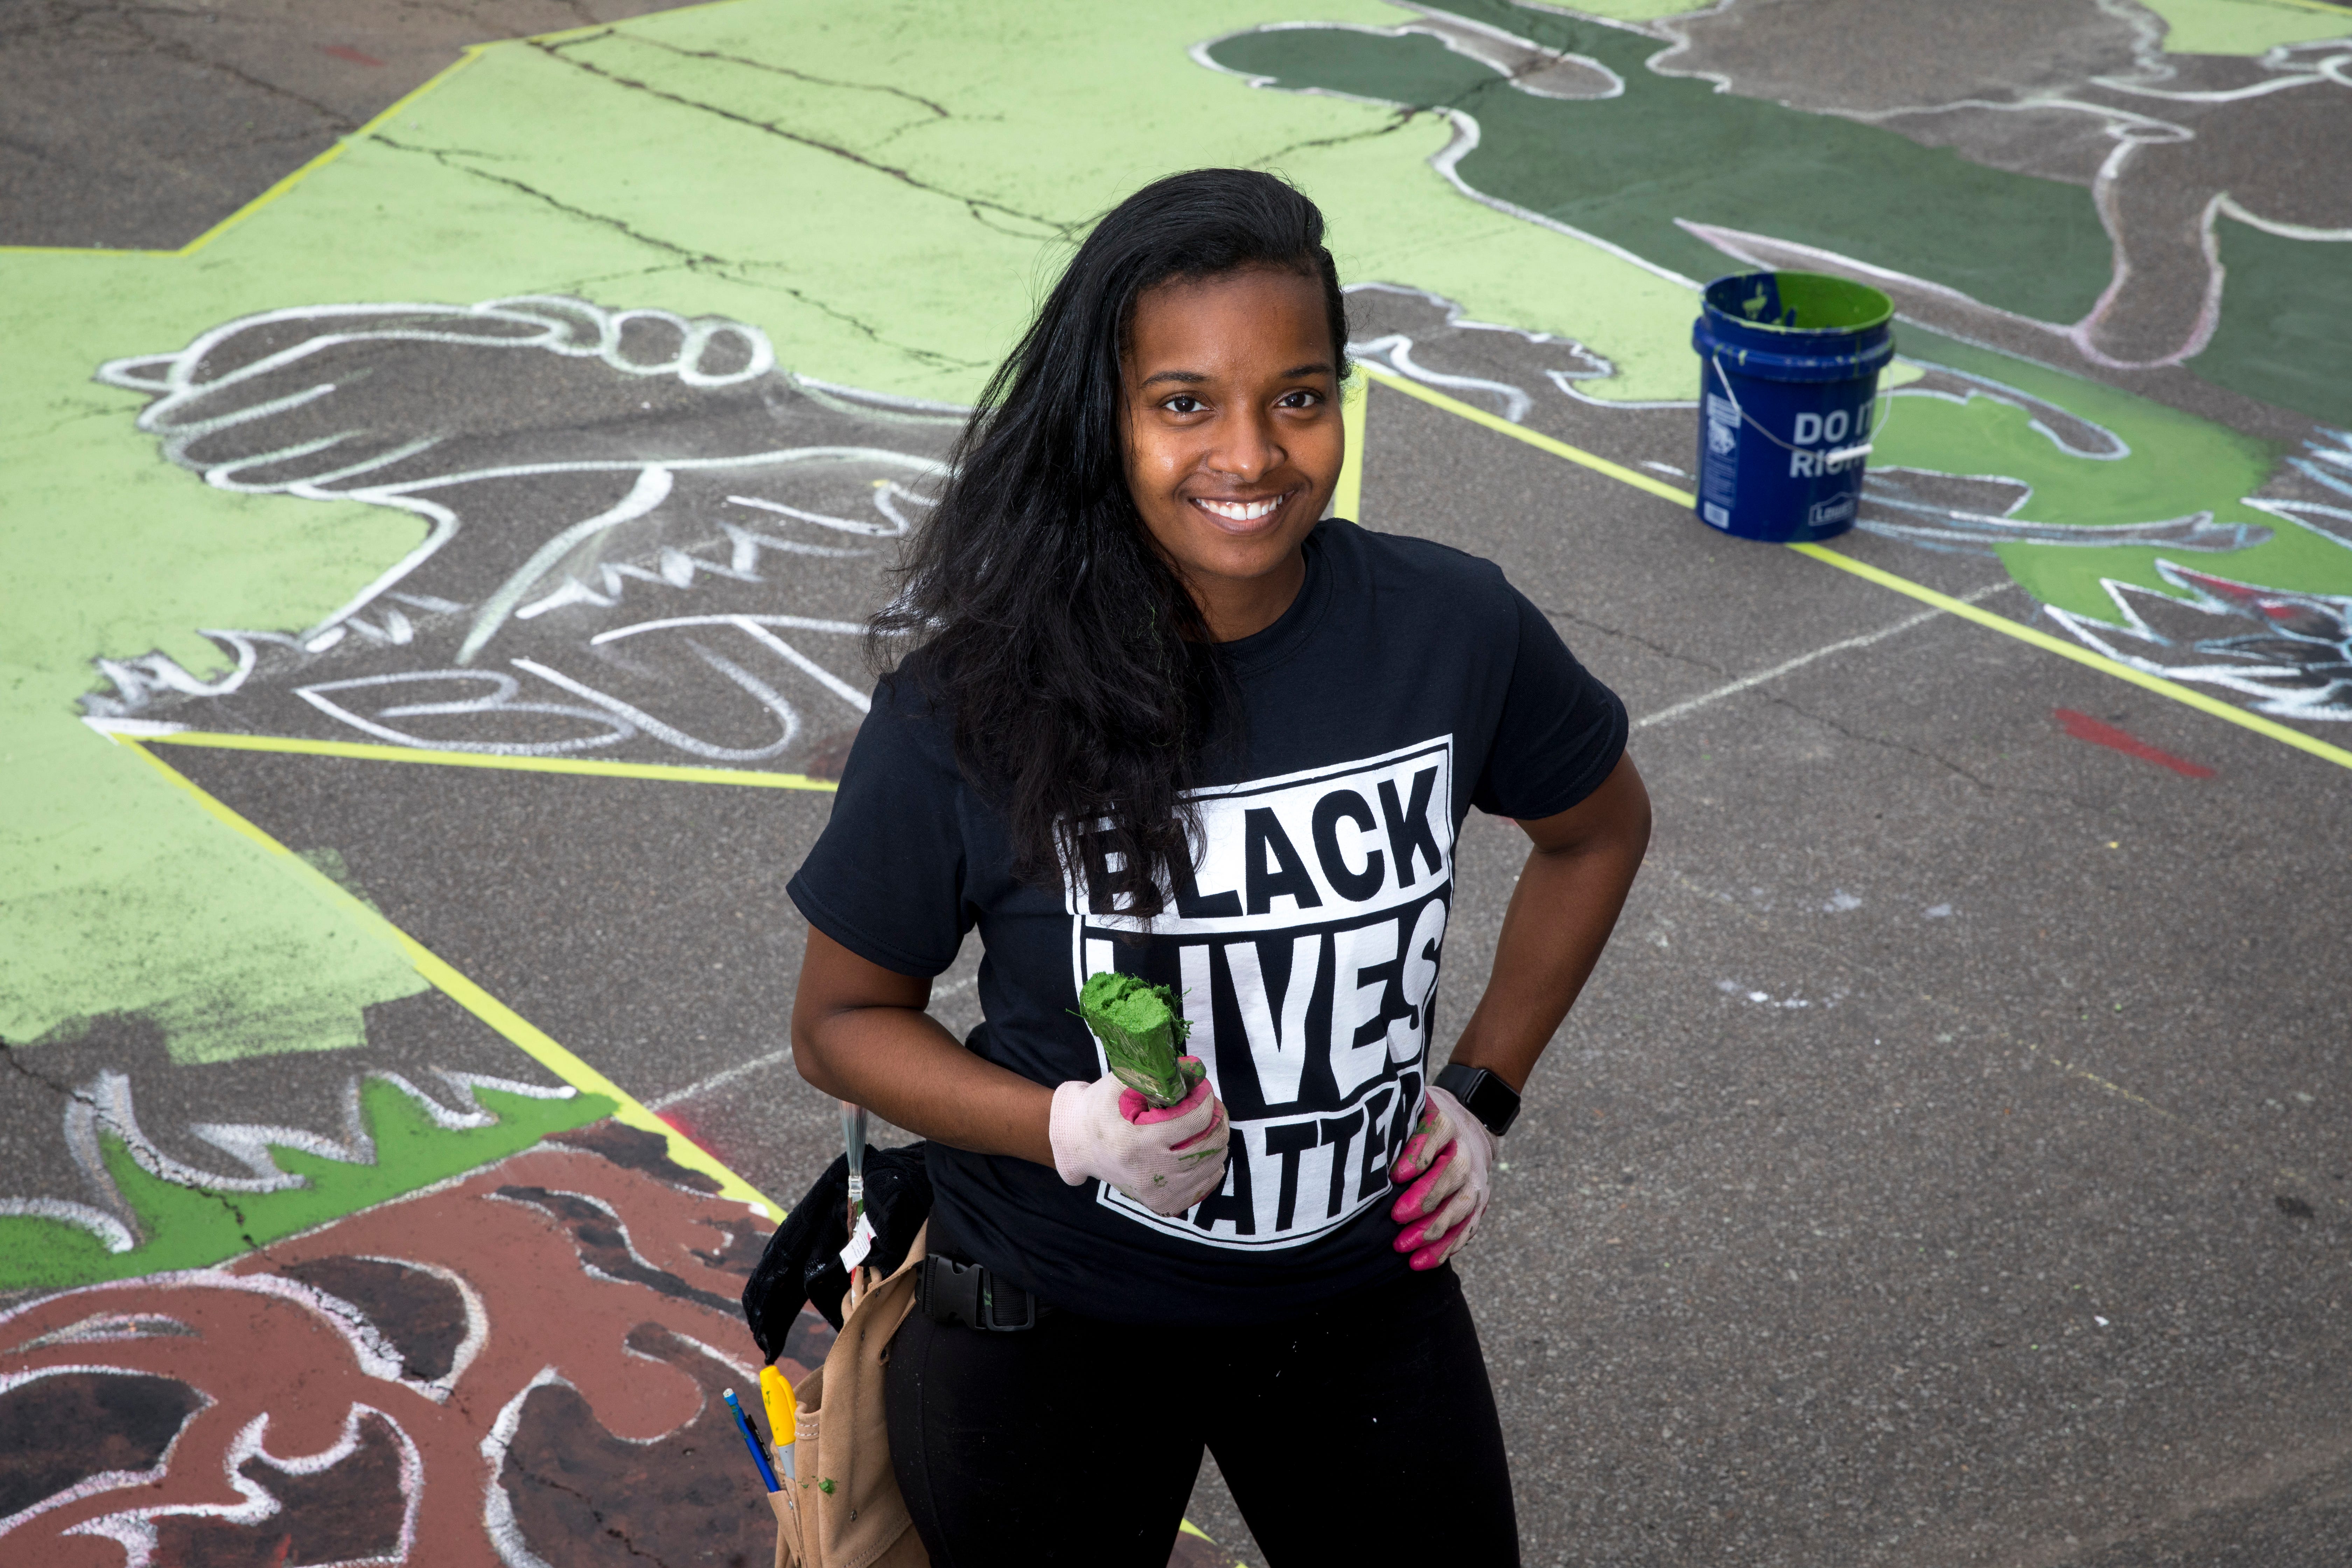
(466, 56)
(2202, 702)
(2188, 696)
(471, 53)
(565, 34)
(592, 766)
(1617, 471)
(74, 250)
(1347, 495)
(445, 978)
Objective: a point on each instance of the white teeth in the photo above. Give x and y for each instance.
(1241, 511)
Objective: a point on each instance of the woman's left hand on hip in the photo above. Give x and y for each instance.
(1449, 1159)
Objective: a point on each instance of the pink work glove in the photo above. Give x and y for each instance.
(1451, 1153)
(1165, 1159)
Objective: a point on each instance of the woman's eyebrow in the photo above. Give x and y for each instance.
(1194, 377)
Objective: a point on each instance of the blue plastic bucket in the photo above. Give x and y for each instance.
(1789, 367)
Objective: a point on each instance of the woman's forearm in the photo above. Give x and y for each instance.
(1566, 904)
(860, 1034)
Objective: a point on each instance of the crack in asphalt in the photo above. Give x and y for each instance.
(974, 204)
(553, 1484)
(694, 261)
(1986, 786)
(174, 49)
(1895, 745)
(1404, 115)
(937, 109)
(14, 1055)
(1636, 638)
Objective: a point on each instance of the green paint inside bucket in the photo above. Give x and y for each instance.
(1801, 302)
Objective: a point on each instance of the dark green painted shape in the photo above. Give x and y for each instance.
(189, 1228)
(1625, 168)
(2285, 333)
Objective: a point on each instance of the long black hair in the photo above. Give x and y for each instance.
(1079, 674)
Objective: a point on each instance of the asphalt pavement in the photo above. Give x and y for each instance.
(1950, 1162)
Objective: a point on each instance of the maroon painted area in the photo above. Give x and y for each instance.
(345, 52)
(2082, 727)
(56, 1430)
(329, 1399)
(569, 1479)
(635, 1148)
(422, 1314)
(351, 1512)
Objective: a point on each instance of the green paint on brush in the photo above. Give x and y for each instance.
(1142, 1034)
(184, 1227)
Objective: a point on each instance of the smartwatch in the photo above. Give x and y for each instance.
(1482, 1094)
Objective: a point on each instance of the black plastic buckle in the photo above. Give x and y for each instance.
(953, 1292)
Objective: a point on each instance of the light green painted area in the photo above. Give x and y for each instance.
(118, 893)
(2244, 26)
(884, 190)
(879, 188)
(2178, 464)
(181, 1227)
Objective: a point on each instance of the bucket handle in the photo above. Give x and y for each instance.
(1842, 455)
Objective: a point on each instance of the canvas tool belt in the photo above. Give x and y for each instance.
(841, 1507)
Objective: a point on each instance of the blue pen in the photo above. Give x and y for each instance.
(751, 1441)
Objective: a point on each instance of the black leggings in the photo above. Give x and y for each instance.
(1364, 1431)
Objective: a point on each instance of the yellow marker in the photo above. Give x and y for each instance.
(784, 1422)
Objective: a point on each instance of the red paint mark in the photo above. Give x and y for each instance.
(345, 52)
(2082, 727)
(683, 1128)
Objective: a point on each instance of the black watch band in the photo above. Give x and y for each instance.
(1482, 1094)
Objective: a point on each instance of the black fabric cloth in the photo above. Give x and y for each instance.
(1363, 1432)
(1407, 683)
(802, 1261)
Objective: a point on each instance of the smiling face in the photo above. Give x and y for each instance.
(1234, 440)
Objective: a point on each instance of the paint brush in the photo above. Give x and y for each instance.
(751, 1441)
(1142, 1034)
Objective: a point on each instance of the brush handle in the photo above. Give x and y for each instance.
(751, 1441)
(852, 1138)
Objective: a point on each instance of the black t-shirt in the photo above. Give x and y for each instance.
(1407, 683)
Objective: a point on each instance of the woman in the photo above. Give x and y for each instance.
(1162, 719)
